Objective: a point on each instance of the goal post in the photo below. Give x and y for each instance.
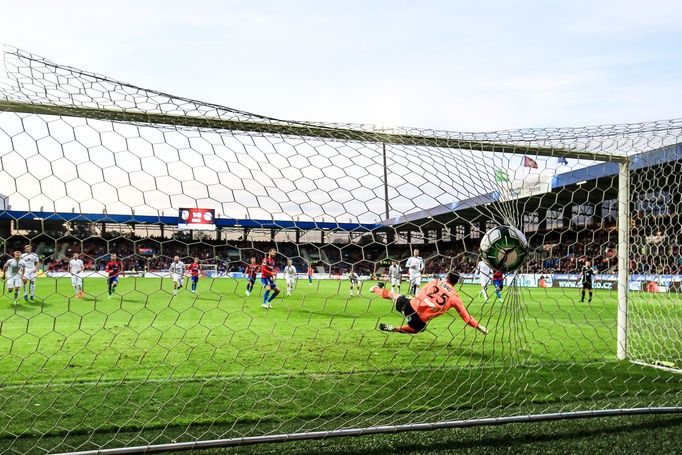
(654, 285)
(91, 167)
(623, 257)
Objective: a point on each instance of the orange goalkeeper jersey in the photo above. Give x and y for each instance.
(436, 298)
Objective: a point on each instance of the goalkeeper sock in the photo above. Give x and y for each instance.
(406, 329)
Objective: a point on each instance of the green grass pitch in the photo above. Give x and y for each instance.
(145, 366)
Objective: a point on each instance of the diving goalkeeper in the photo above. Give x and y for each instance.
(435, 299)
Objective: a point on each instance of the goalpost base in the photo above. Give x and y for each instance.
(659, 366)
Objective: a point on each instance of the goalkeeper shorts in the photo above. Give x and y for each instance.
(402, 305)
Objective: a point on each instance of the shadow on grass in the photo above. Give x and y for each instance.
(523, 437)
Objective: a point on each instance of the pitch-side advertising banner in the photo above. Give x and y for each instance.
(645, 283)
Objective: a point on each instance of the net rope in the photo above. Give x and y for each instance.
(94, 166)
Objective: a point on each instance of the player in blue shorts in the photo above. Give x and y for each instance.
(195, 271)
(498, 283)
(251, 274)
(310, 274)
(114, 269)
(268, 278)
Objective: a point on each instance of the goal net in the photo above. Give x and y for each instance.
(91, 167)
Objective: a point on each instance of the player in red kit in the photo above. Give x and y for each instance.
(310, 275)
(498, 282)
(114, 269)
(251, 274)
(434, 299)
(267, 277)
(194, 270)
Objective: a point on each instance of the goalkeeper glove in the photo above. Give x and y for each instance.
(483, 330)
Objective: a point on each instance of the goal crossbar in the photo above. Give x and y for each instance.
(297, 129)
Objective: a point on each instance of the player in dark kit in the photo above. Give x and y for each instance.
(114, 269)
(268, 278)
(587, 280)
(251, 275)
(194, 270)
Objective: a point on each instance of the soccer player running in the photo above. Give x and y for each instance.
(587, 280)
(13, 272)
(114, 269)
(75, 268)
(498, 283)
(354, 282)
(251, 275)
(267, 278)
(177, 273)
(415, 267)
(434, 300)
(484, 272)
(194, 270)
(290, 276)
(310, 275)
(394, 274)
(30, 260)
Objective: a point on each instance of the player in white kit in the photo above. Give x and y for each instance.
(177, 273)
(415, 267)
(394, 274)
(290, 276)
(485, 274)
(30, 261)
(13, 272)
(75, 268)
(354, 282)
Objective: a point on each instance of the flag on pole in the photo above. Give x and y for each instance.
(501, 176)
(529, 162)
(561, 160)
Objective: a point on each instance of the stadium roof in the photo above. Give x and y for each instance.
(581, 181)
(173, 221)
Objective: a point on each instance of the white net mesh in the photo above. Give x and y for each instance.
(656, 260)
(93, 166)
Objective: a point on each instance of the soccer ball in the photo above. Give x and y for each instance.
(504, 248)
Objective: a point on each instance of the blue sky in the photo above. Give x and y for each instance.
(462, 66)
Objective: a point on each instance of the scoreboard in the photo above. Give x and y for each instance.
(196, 220)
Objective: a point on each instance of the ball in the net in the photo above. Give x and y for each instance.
(504, 248)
